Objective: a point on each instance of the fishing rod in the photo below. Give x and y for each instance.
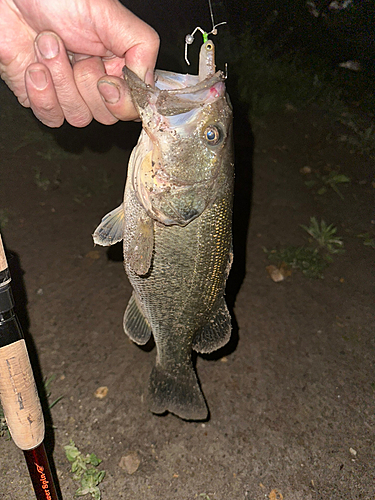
(18, 393)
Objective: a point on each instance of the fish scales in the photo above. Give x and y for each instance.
(175, 223)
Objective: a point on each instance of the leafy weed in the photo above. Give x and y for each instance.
(331, 180)
(314, 258)
(324, 236)
(305, 259)
(368, 240)
(84, 470)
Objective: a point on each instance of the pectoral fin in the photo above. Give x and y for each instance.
(216, 333)
(111, 229)
(136, 325)
(142, 245)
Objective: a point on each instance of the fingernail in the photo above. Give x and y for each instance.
(48, 46)
(109, 92)
(149, 78)
(39, 78)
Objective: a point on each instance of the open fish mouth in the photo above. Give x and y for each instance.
(186, 123)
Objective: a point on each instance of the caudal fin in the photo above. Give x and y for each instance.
(178, 393)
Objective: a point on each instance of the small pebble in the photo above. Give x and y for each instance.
(130, 462)
(101, 392)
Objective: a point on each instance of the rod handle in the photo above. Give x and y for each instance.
(3, 259)
(19, 396)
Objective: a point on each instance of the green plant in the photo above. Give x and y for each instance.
(268, 84)
(305, 259)
(43, 182)
(47, 382)
(313, 259)
(330, 180)
(40, 181)
(84, 470)
(368, 240)
(362, 137)
(3, 425)
(324, 236)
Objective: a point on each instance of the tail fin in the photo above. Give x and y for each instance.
(178, 393)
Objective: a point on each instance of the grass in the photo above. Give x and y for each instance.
(43, 182)
(269, 84)
(329, 181)
(84, 470)
(324, 236)
(305, 259)
(368, 240)
(314, 258)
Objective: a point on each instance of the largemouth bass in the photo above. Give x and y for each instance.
(175, 223)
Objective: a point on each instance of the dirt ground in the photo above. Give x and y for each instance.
(291, 397)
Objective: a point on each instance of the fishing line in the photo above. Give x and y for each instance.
(189, 39)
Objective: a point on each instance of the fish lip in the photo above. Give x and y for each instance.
(132, 78)
(169, 102)
(207, 82)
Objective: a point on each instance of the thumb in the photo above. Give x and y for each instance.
(128, 37)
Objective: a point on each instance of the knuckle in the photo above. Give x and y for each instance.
(79, 121)
(52, 122)
(155, 40)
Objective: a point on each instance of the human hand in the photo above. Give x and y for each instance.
(64, 58)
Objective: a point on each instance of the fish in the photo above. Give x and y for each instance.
(176, 226)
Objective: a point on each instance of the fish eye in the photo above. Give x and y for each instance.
(213, 135)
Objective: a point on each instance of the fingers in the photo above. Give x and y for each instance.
(58, 90)
(129, 38)
(51, 52)
(42, 96)
(78, 87)
(116, 96)
(87, 72)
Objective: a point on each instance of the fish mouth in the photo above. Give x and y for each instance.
(170, 98)
(177, 169)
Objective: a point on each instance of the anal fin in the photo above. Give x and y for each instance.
(136, 325)
(216, 333)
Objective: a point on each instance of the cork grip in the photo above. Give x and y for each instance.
(19, 397)
(3, 260)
